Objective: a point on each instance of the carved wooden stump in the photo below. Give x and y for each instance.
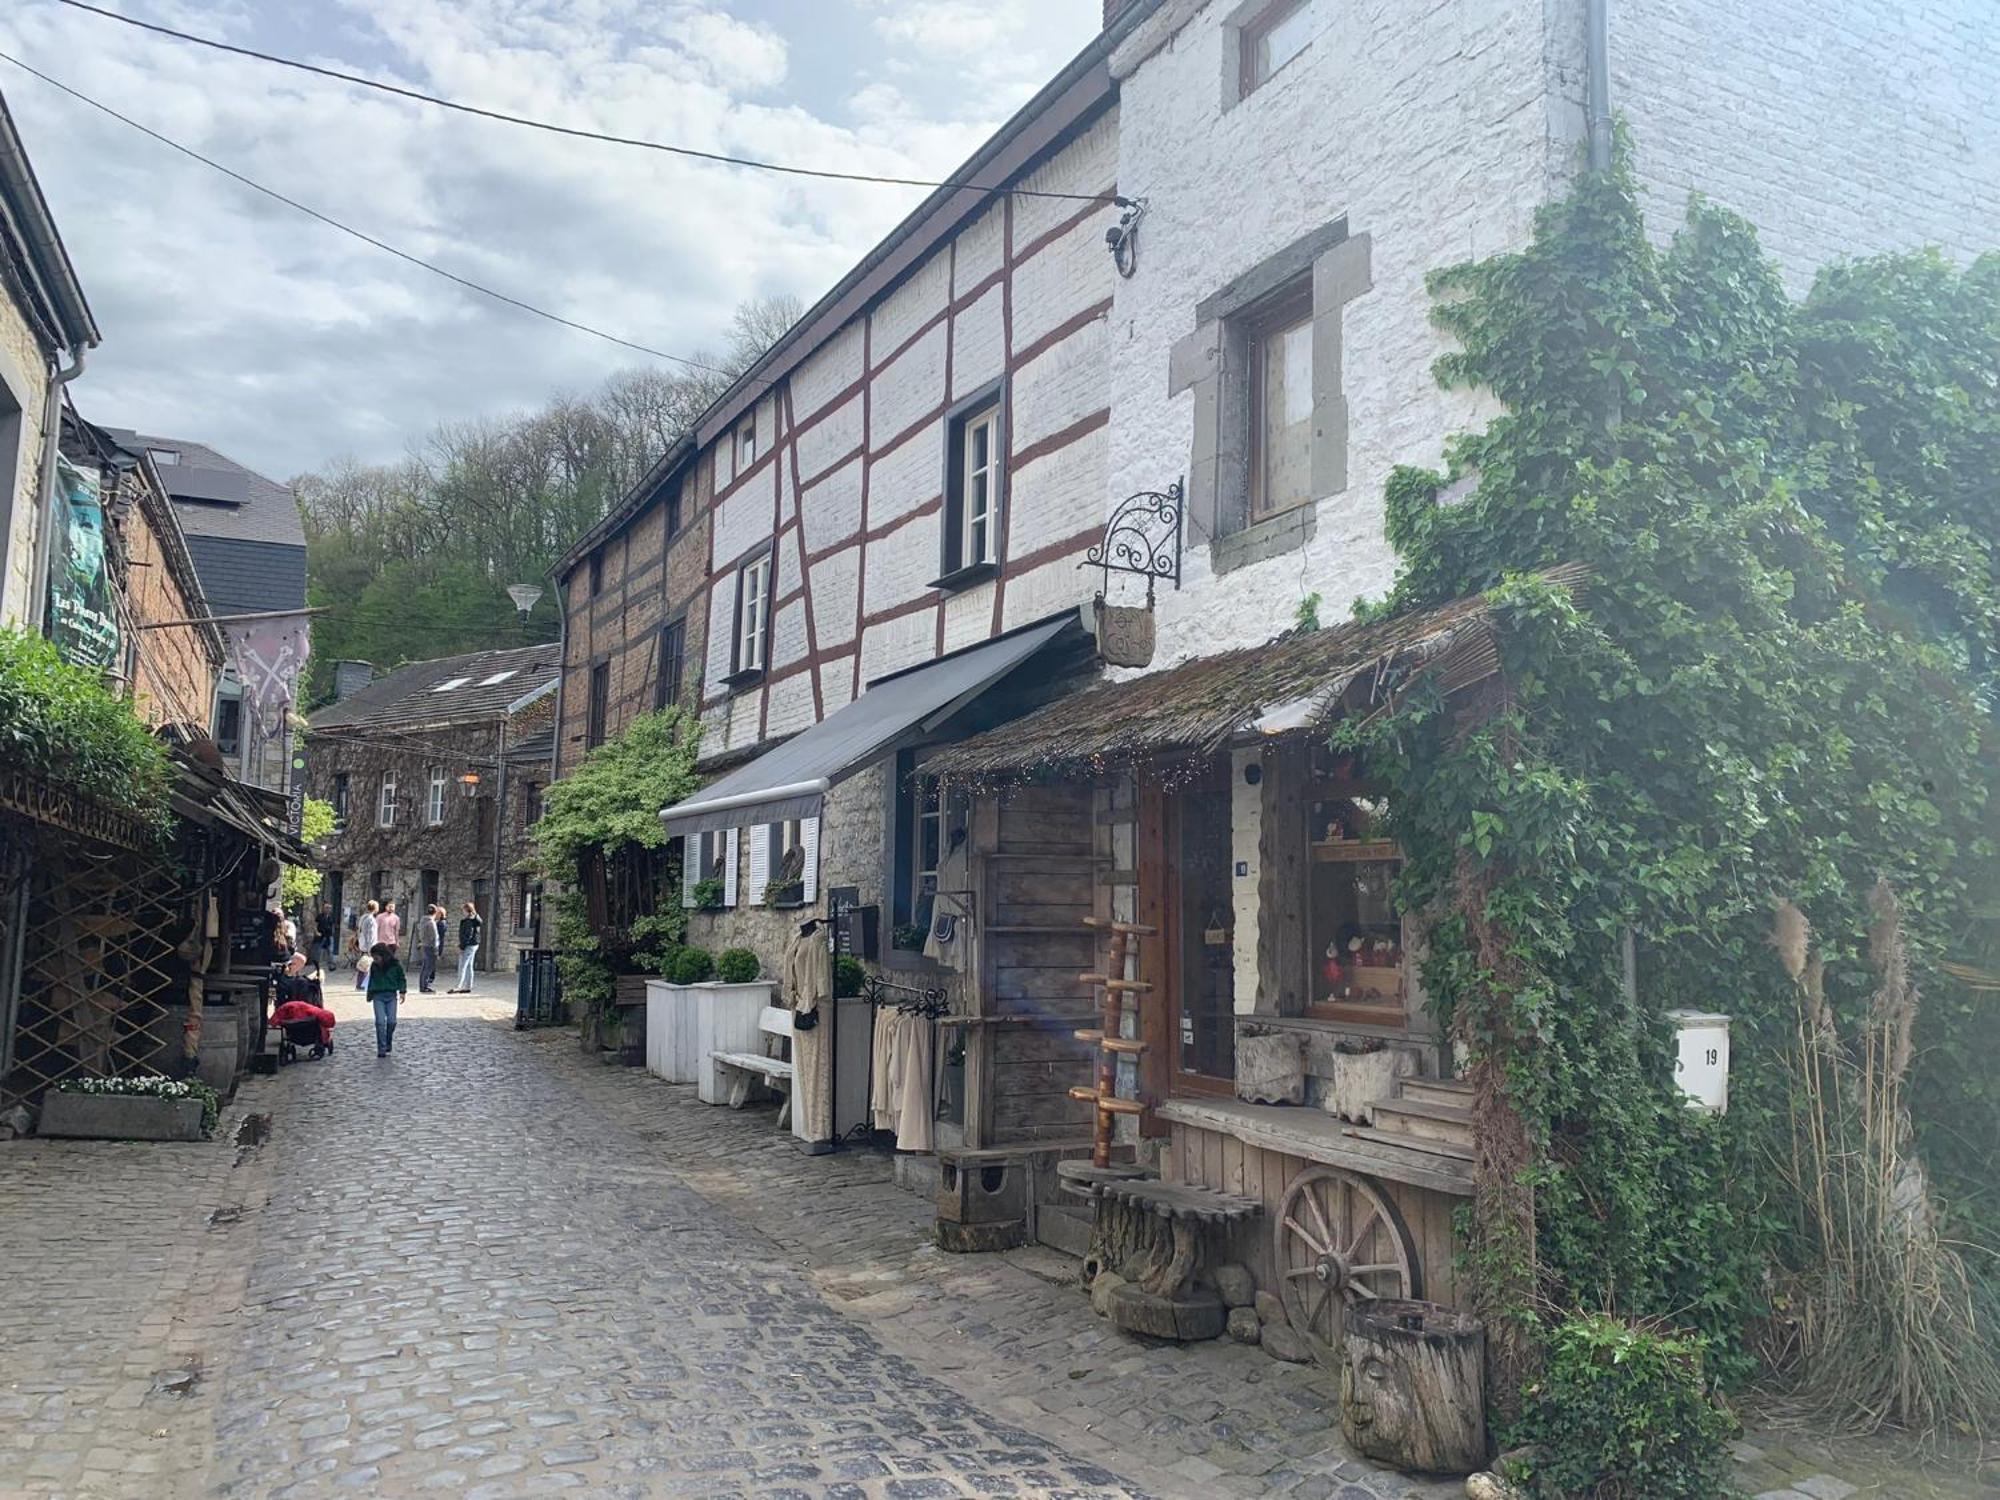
(1164, 1235)
(1413, 1386)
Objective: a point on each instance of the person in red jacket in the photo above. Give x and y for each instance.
(298, 999)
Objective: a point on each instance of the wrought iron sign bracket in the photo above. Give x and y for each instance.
(1143, 537)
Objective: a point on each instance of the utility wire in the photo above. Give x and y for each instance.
(572, 130)
(365, 238)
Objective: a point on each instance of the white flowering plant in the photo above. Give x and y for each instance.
(153, 1085)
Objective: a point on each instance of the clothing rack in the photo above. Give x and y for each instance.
(910, 999)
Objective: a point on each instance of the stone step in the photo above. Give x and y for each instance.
(1404, 1141)
(1447, 1091)
(1431, 1122)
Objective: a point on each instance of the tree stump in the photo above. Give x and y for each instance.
(1413, 1386)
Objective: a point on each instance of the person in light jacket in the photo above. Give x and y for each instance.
(364, 941)
(430, 937)
(469, 927)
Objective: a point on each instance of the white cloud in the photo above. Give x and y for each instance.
(228, 317)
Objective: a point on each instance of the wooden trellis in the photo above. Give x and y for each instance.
(108, 941)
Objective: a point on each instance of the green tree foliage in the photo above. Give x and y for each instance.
(301, 884)
(1779, 681)
(59, 722)
(612, 802)
(413, 560)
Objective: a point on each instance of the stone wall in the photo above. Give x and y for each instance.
(24, 378)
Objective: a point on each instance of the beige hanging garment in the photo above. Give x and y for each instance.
(882, 1071)
(808, 982)
(915, 1111)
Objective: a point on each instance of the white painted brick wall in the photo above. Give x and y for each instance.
(1426, 127)
(788, 634)
(982, 248)
(920, 298)
(742, 520)
(835, 578)
(908, 387)
(1089, 165)
(832, 508)
(828, 371)
(1058, 495)
(896, 644)
(979, 343)
(1062, 279)
(1838, 127)
(1045, 590)
(836, 681)
(968, 616)
(833, 435)
(721, 601)
(909, 476)
(900, 565)
(791, 705)
(1061, 386)
(745, 709)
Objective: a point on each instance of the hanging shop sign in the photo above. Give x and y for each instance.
(83, 619)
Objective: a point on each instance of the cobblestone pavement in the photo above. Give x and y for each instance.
(488, 1267)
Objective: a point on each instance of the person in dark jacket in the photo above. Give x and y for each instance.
(325, 929)
(387, 985)
(469, 927)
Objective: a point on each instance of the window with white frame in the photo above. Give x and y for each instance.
(975, 487)
(385, 802)
(434, 797)
(746, 444)
(753, 614)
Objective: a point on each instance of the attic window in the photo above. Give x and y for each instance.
(447, 686)
(498, 677)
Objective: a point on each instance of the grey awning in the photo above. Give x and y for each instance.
(790, 781)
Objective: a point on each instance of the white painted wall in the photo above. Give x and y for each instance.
(23, 398)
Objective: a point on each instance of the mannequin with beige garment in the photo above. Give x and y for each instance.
(808, 976)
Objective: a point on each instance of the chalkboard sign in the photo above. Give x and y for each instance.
(855, 927)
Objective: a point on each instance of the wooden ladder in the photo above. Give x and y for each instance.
(1111, 1046)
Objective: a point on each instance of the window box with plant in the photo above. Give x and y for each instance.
(150, 1108)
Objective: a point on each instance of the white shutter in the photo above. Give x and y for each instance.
(809, 841)
(690, 868)
(760, 862)
(729, 849)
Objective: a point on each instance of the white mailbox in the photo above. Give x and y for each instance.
(1701, 1062)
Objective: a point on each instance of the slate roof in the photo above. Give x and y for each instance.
(241, 578)
(416, 694)
(217, 496)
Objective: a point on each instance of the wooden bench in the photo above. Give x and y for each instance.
(743, 1069)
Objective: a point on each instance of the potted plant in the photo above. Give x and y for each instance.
(738, 966)
(150, 1108)
(790, 893)
(849, 977)
(907, 937)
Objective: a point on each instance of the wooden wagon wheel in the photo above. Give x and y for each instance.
(1337, 1238)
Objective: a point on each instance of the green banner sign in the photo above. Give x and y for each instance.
(83, 619)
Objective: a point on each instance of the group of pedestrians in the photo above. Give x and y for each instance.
(376, 942)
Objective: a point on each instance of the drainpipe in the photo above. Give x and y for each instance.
(45, 502)
(1597, 28)
(499, 897)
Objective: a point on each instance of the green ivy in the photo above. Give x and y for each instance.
(612, 802)
(1780, 679)
(60, 722)
(301, 882)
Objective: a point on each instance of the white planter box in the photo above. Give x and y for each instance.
(686, 1022)
(726, 1018)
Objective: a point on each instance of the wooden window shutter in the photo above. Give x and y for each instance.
(809, 841)
(729, 852)
(760, 862)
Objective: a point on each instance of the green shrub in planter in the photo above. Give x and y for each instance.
(689, 966)
(738, 966)
(1624, 1413)
(848, 977)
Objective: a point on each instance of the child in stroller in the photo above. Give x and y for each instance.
(299, 1018)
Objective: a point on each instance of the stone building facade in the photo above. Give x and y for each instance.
(435, 772)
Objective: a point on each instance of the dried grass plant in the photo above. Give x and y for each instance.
(1887, 1327)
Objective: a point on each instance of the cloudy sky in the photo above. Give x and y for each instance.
(229, 318)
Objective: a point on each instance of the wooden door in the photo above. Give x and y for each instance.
(1185, 892)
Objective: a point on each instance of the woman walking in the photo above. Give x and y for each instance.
(386, 988)
(469, 927)
(364, 942)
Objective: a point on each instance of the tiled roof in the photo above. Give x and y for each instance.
(473, 688)
(240, 577)
(217, 496)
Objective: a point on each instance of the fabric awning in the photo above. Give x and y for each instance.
(790, 781)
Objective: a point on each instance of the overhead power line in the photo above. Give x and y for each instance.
(574, 131)
(362, 235)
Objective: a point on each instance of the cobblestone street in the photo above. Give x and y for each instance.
(486, 1266)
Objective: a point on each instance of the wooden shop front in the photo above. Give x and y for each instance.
(1262, 1038)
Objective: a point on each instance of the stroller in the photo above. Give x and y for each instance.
(303, 1033)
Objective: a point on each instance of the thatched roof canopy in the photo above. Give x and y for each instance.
(1293, 684)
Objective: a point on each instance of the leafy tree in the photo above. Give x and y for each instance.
(301, 884)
